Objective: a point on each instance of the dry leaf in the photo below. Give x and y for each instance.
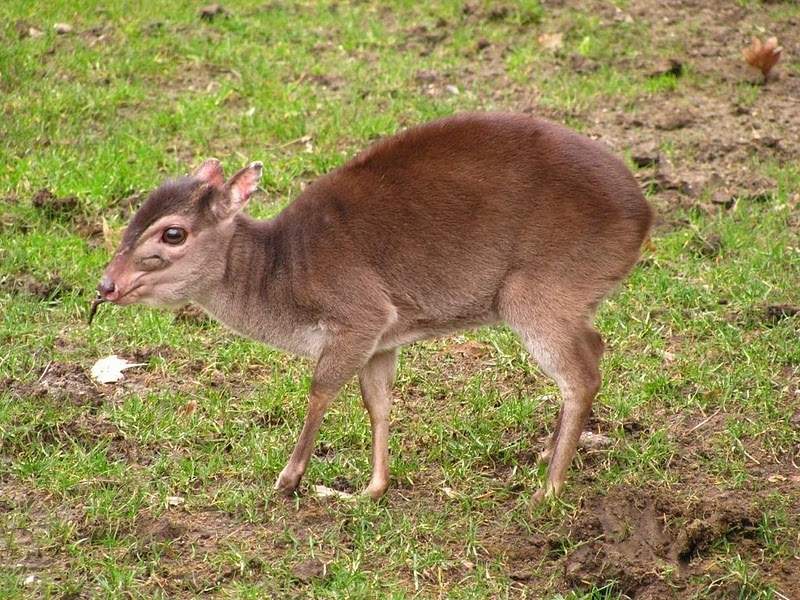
(472, 348)
(189, 409)
(107, 238)
(321, 491)
(468, 565)
(109, 369)
(551, 41)
(763, 56)
(111, 237)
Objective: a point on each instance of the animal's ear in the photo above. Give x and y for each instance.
(210, 172)
(241, 186)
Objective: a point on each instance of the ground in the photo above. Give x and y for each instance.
(719, 151)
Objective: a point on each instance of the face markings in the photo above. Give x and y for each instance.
(184, 199)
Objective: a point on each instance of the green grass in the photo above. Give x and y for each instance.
(113, 491)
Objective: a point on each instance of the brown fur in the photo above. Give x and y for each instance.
(466, 221)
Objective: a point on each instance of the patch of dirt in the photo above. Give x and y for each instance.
(89, 430)
(775, 313)
(68, 384)
(66, 209)
(183, 539)
(647, 544)
(309, 569)
(24, 554)
(62, 382)
(44, 287)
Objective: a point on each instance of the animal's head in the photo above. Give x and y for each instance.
(176, 242)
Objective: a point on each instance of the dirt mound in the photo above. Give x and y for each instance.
(44, 287)
(645, 544)
(65, 209)
(63, 382)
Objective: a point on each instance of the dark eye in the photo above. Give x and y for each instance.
(174, 236)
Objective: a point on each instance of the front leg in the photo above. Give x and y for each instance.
(318, 403)
(338, 363)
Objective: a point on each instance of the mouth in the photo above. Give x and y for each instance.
(126, 298)
(129, 296)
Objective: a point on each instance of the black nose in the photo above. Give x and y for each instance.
(105, 287)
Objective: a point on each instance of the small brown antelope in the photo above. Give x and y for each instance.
(462, 222)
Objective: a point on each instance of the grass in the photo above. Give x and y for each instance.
(113, 490)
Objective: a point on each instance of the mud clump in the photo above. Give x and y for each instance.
(309, 569)
(775, 313)
(63, 383)
(50, 288)
(644, 545)
(160, 531)
(65, 209)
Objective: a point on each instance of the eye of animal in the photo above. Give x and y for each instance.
(174, 236)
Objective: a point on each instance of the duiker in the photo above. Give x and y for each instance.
(466, 221)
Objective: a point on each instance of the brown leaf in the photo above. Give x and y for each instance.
(107, 236)
(763, 56)
(111, 237)
(551, 42)
(189, 409)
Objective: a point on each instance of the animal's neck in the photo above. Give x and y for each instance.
(247, 278)
(254, 294)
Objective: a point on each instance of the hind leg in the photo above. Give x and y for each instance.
(576, 370)
(598, 346)
(568, 349)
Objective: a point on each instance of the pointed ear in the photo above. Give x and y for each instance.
(210, 172)
(241, 186)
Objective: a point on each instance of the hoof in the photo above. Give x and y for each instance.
(375, 491)
(285, 486)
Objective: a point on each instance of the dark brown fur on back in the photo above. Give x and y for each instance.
(480, 214)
